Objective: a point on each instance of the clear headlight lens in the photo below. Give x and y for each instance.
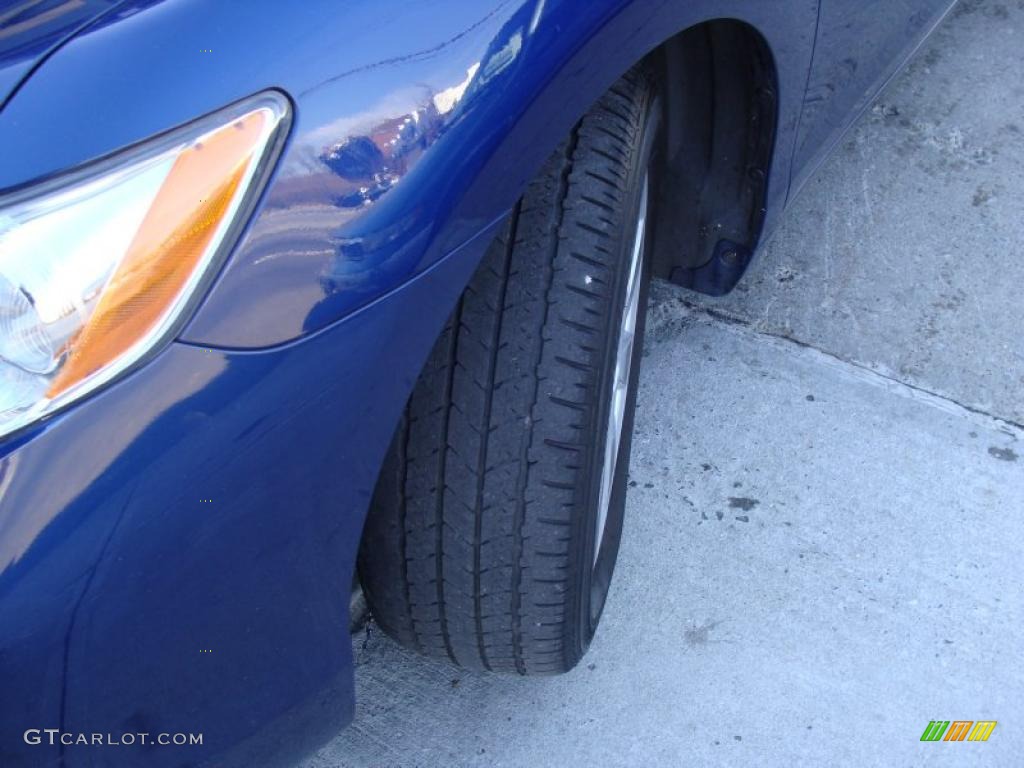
(98, 268)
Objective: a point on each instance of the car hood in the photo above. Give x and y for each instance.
(31, 29)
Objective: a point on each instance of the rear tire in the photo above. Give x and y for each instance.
(482, 543)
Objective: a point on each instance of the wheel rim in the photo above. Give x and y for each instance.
(623, 367)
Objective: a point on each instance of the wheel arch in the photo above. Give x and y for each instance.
(727, 141)
(723, 149)
(720, 87)
(719, 84)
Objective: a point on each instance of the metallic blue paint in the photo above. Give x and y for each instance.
(214, 498)
(351, 215)
(860, 46)
(29, 31)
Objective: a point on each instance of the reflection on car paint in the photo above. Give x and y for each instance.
(332, 204)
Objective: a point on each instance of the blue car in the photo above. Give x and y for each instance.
(298, 298)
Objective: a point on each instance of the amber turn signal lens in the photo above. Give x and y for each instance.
(190, 208)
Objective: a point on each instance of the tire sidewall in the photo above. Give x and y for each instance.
(596, 577)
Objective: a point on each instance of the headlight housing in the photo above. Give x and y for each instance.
(99, 267)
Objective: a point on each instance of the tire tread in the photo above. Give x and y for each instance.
(470, 543)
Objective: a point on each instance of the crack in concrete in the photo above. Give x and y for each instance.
(729, 319)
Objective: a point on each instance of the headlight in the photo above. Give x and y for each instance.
(97, 269)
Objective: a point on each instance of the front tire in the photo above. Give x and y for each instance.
(496, 522)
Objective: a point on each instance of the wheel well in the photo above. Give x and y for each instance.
(720, 106)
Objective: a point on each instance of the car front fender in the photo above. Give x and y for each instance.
(416, 125)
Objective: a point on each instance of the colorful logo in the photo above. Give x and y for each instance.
(958, 730)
